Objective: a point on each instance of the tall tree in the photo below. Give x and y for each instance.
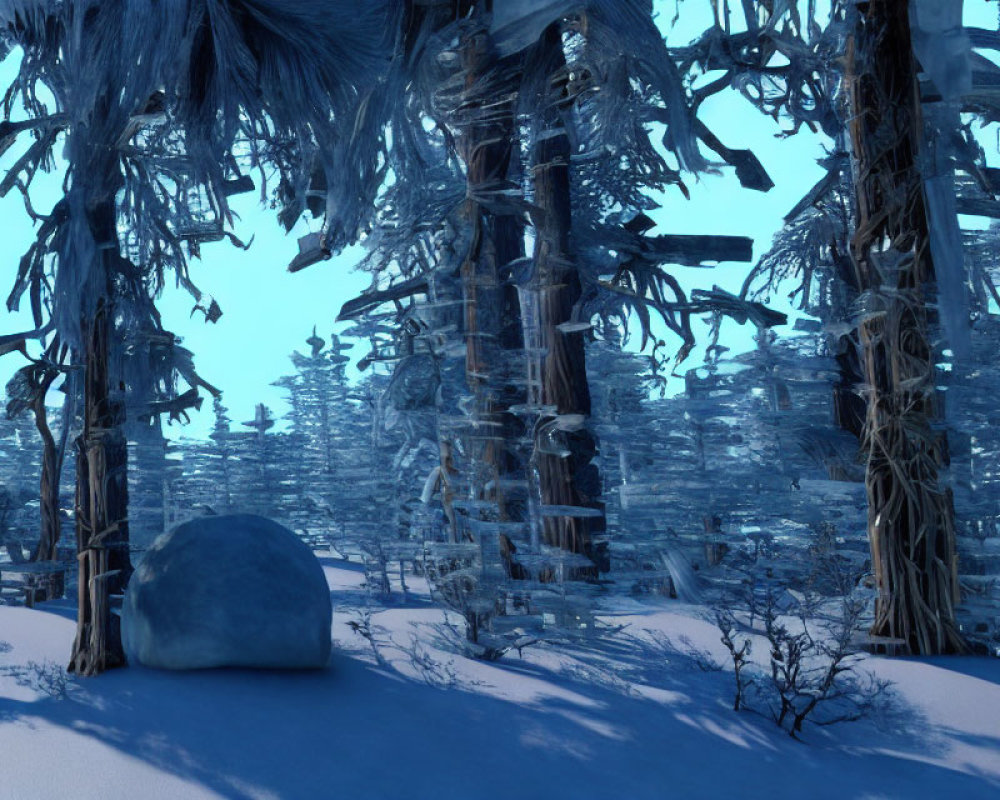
(151, 98)
(593, 82)
(20, 467)
(892, 245)
(525, 187)
(28, 390)
(263, 471)
(222, 455)
(449, 232)
(473, 62)
(911, 516)
(317, 393)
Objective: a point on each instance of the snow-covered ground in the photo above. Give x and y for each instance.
(625, 720)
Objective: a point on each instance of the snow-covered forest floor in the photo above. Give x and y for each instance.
(623, 719)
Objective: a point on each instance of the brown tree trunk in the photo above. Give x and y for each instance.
(568, 478)
(478, 434)
(486, 468)
(492, 308)
(487, 145)
(910, 515)
(102, 475)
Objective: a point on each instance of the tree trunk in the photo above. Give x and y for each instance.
(486, 466)
(102, 474)
(910, 516)
(492, 323)
(49, 522)
(568, 478)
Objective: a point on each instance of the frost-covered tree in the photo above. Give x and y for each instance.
(521, 159)
(208, 481)
(21, 452)
(27, 392)
(153, 472)
(587, 101)
(886, 237)
(222, 457)
(972, 441)
(151, 99)
(265, 472)
(318, 394)
(899, 267)
(481, 80)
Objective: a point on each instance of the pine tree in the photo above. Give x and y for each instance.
(20, 469)
(911, 515)
(148, 96)
(265, 472)
(222, 458)
(318, 395)
(904, 252)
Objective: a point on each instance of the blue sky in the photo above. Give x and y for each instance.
(268, 312)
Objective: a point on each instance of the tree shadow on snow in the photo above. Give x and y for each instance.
(370, 734)
(845, 760)
(985, 668)
(618, 721)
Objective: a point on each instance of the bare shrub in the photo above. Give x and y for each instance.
(739, 648)
(498, 646)
(46, 677)
(362, 626)
(434, 673)
(812, 672)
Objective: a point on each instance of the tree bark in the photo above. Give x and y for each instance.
(569, 478)
(48, 494)
(492, 323)
(486, 311)
(102, 473)
(910, 515)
